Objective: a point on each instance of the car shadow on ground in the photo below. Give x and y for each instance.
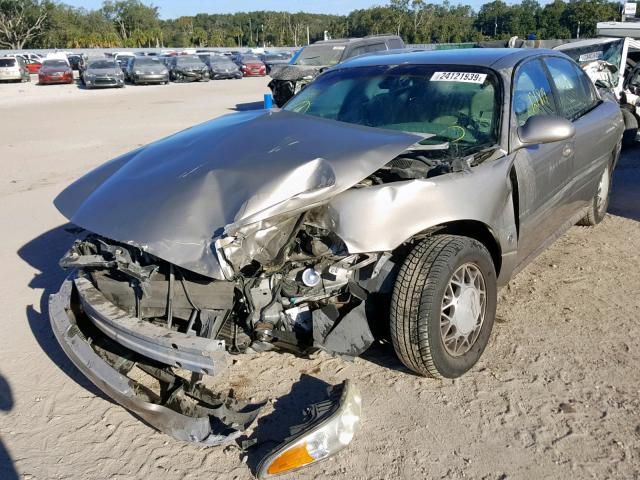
(244, 107)
(7, 469)
(273, 430)
(382, 354)
(43, 253)
(625, 193)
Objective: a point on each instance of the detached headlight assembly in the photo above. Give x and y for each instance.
(331, 430)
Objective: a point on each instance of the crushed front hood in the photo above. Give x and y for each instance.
(173, 197)
(286, 71)
(104, 72)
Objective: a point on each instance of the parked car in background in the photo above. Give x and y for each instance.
(75, 60)
(14, 69)
(122, 58)
(145, 70)
(187, 68)
(33, 66)
(55, 71)
(27, 56)
(58, 56)
(86, 59)
(270, 59)
(221, 67)
(250, 65)
(165, 59)
(103, 73)
(314, 59)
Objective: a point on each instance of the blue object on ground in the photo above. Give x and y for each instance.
(268, 101)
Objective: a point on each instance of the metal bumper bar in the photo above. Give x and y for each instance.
(198, 354)
(128, 393)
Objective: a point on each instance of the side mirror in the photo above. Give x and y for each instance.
(541, 129)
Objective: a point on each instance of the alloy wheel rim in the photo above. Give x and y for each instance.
(463, 309)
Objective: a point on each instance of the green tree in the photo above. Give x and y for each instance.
(550, 20)
(130, 15)
(585, 14)
(21, 21)
(493, 19)
(199, 37)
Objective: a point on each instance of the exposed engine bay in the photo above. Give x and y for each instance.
(311, 295)
(290, 281)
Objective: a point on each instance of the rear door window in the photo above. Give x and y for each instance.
(532, 93)
(575, 95)
(374, 47)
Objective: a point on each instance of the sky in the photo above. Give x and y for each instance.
(177, 8)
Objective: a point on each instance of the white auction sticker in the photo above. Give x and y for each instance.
(465, 77)
(587, 57)
(339, 47)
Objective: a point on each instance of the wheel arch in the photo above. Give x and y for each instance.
(468, 228)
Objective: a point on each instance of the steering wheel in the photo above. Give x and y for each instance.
(454, 133)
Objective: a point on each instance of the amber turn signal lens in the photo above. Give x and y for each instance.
(295, 457)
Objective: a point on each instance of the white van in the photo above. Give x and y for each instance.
(58, 56)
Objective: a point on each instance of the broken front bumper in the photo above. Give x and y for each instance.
(208, 424)
(95, 335)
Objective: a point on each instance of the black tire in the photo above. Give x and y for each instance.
(599, 205)
(630, 128)
(417, 301)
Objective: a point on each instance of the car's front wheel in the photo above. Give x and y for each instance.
(600, 203)
(443, 306)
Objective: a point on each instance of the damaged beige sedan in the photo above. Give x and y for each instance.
(389, 200)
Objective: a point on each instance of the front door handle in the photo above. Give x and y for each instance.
(567, 150)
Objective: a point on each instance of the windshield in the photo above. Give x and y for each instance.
(54, 63)
(276, 56)
(7, 62)
(103, 64)
(250, 58)
(320, 55)
(454, 105)
(188, 60)
(141, 61)
(221, 61)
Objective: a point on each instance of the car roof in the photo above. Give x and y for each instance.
(497, 58)
(348, 41)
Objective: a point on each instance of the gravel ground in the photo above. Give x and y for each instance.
(556, 394)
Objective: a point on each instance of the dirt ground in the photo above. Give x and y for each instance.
(556, 395)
